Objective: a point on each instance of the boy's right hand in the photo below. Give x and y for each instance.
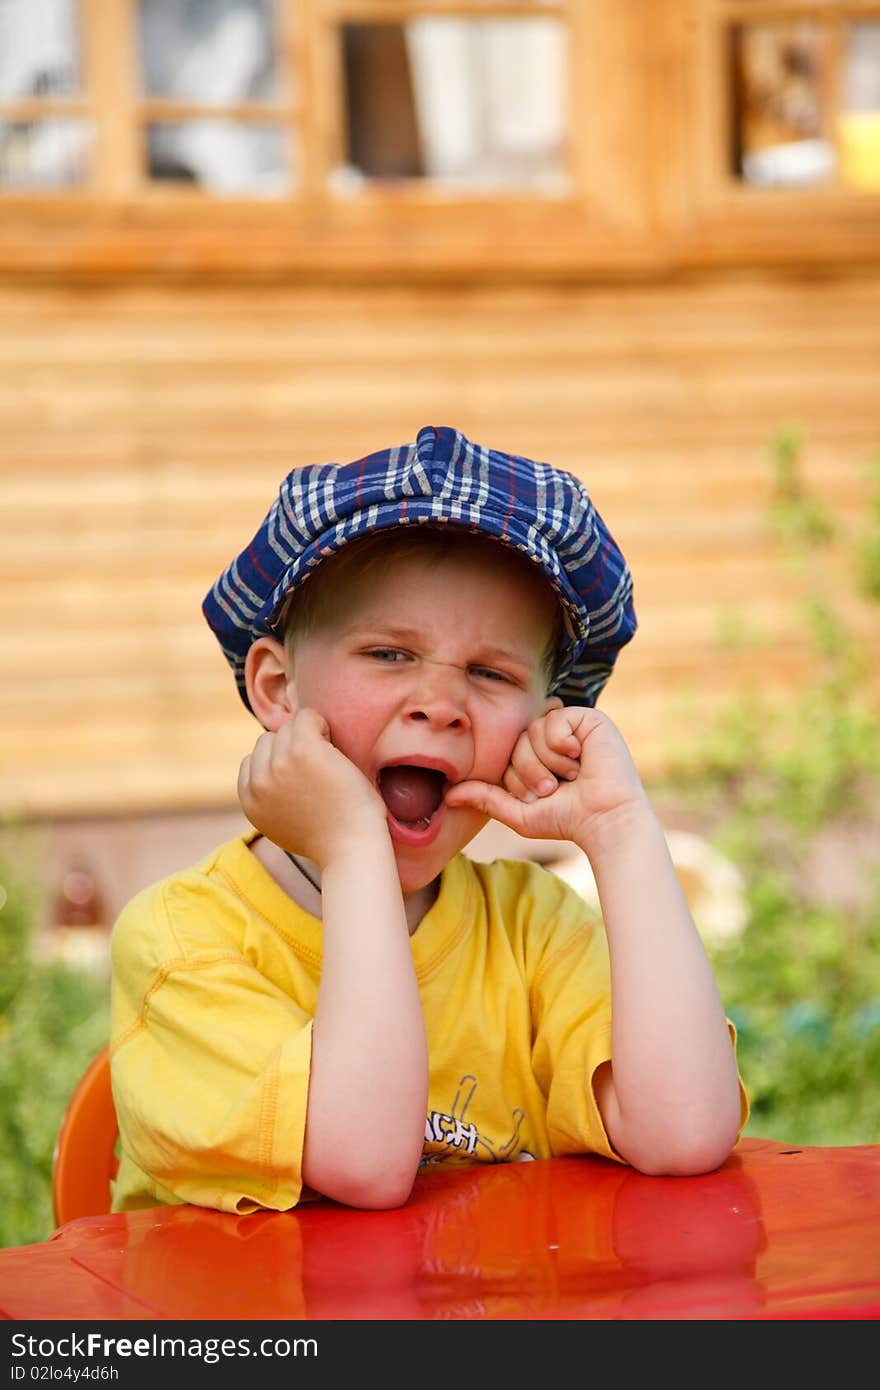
(299, 790)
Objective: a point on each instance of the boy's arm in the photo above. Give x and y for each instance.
(368, 1086)
(368, 1083)
(670, 1097)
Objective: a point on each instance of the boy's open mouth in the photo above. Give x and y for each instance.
(412, 794)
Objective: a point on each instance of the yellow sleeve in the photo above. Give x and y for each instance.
(209, 1061)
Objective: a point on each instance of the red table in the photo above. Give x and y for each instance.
(779, 1232)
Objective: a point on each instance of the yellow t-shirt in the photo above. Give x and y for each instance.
(215, 979)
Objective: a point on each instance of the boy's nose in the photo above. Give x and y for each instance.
(440, 698)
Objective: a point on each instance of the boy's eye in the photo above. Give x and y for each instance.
(396, 656)
(486, 673)
(389, 655)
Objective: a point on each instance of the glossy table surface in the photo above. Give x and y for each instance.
(778, 1232)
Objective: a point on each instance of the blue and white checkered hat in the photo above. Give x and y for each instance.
(542, 512)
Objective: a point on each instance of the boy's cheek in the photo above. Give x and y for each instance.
(495, 772)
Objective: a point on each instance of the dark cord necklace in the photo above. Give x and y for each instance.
(295, 860)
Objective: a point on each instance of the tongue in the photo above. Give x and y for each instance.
(411, 793)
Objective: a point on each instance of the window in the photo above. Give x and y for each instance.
(46, 138)
(469, 104)
(209, 78)
(168, 90)
(859, 115)
(806, 98)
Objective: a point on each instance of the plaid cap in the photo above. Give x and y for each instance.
(542, 512)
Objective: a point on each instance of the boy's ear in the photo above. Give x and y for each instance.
(552, 702)
(268, 682)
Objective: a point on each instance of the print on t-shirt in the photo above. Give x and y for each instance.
(453, 1138)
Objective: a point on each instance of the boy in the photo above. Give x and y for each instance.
(340, 996)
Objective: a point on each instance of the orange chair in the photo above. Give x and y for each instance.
(85, 1157)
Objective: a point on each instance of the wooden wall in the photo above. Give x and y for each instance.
(145, 429)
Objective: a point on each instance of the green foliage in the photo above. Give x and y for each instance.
(868, 554)
(53, 1019)
(795, 514)
(802, 985)
(802, 982)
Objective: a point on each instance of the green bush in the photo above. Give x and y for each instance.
(53, 1019)
(802, 985)
(802, 982)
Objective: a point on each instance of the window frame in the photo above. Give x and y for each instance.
(650, 189)
(779, 222)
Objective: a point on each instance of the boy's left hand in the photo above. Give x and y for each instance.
(570, 769)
